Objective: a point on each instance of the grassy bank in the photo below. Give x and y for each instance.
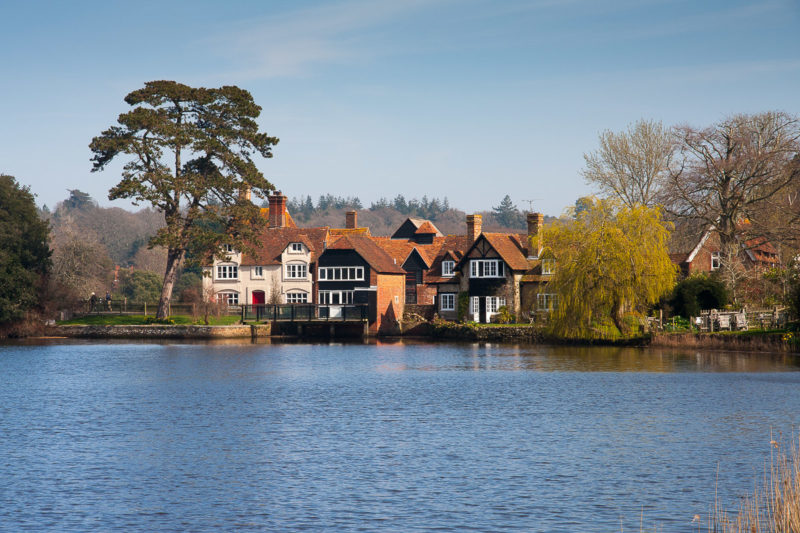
(136, 320)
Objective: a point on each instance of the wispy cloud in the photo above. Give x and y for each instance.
(293, 43)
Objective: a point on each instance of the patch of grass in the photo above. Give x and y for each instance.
(136, 320)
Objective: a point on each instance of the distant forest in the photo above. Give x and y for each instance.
(384, 216)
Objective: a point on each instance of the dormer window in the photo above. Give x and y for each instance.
(227, 248)
(296, 247)
(447, 268)
(548, 267)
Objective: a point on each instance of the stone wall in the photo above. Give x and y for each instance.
(157, 331)
(454, 331)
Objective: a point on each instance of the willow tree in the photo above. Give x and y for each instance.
(611, 260)
(189, 154)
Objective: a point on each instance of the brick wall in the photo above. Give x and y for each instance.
(391, 303)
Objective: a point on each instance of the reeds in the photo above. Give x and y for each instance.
(774, 505)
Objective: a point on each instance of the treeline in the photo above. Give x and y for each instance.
(385, 215)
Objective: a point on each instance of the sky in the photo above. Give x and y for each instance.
(465, 99)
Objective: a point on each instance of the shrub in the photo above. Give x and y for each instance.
(696, 293)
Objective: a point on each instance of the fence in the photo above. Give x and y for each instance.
(718, 320)
(126, 307)
(304, 313)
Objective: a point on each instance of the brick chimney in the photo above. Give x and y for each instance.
(535, 223)
(474, 223)
(277, 210)
(351, 220)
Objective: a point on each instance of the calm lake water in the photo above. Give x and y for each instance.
(381, 437)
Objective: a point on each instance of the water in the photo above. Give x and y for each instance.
(389, 437)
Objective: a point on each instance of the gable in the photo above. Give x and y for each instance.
(406, 230)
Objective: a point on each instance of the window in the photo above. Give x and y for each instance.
(486, 268)
(296, 247)
(447, 268)
(447, 302)
(716, 260)
(230, 298)
(335, 297)
(296, 271)
(341, 273)
(546, 302)
(493, 303)
(227, 272)
(296, 297)
(227, 248)
(258, 272)
(474, 305)
(548, 266)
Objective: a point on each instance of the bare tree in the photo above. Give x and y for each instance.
(633, 164)
(733, 175)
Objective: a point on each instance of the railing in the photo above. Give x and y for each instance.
(304, 313)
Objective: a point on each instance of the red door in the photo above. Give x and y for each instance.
(258, 298)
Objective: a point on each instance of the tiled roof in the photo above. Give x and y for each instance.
(427, 228)
(510, 248)
(374, 255)
(364, 232)
(273, 241)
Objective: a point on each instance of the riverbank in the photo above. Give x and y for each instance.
(748, 341)
(158, 331)
(755, 341)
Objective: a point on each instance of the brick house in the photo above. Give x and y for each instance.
(355, 270)
(705, 254)
(439, 268)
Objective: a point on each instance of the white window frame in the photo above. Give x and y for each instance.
(227, 248)
(716, 260)
(493, 303)
(548, 267)
(296, 271)
(227, 272)
(448, 267)
(336, 297)
(257, 272)
(546, 301)
(486, 268)
(447, 301)
(475, 307)
(351, 273)
(228, 297)
(296, 247)
(296, 297)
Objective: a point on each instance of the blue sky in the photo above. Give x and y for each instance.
(466, 99)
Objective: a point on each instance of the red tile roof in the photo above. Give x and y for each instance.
(273, 241)
(374, 255)
(426, 228)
